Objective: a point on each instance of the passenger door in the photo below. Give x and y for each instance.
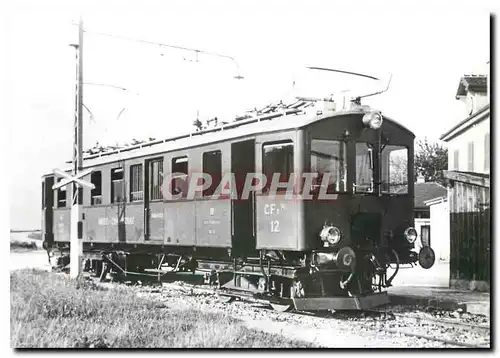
(153, 200)
(242, 209)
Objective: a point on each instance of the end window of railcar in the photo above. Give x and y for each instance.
(136, 183)
(394, 170)
(155, 179)
(277, 159)
(329, 158)
(61, 196)
(117, 187)
(179, 171)
(212, 165)
(364, 167)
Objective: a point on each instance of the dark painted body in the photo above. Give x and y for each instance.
(296, 224)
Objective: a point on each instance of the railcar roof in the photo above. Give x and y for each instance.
(288, 119)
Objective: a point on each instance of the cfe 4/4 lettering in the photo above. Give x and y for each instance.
(270, 209)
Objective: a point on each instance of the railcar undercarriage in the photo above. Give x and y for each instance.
(317, 280)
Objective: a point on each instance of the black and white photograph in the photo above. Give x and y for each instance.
(248, 174)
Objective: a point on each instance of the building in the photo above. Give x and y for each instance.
(468, 175)
(468, 141)
(425, 193)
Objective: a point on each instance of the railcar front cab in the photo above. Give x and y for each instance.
(369, 228)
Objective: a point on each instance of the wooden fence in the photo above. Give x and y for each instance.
(470, 231)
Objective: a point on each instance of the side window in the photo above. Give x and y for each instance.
(96, 193)
(277, 158)
(136, 183)
(470, 158)
(487, 151)
(155, 179)
(455, 160)
(180, 171)
(117, 187)
(61, 195)
(329, 157)
(212, 165)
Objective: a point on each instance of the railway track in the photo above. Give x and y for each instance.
(433, 325)
(451, 332)
(429, 327)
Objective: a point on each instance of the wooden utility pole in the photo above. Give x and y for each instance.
(76, 230)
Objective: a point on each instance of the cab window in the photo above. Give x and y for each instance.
(329, 158)
(394, 170)
(277, 158)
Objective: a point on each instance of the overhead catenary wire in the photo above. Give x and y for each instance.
(196, 51)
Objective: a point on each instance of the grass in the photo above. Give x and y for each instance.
(52, 311)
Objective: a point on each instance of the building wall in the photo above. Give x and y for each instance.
(418, 226)
(440, 231)
(474, 101)
(478, 134)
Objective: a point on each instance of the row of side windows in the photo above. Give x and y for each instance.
(212, 164)
(470, 155)
(276, 157)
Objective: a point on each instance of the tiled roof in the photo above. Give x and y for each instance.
(427, 191)
(477, 83)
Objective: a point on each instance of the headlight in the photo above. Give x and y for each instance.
(330, 235)
(373, 120)
(411, 235)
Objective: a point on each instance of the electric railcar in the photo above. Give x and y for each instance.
(312, 244)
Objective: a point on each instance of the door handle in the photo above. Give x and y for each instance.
(232, 218)
(254, 216)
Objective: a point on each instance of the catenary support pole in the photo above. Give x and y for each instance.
(76, 230)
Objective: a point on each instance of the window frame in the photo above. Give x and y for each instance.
(268, 144)
(112, 191)
(136, 179)
(92, 191)
(343, 167)
(65, 190)
(174, 179)
(355, 181)
(408, 169)
(160, 177)
(214, 185)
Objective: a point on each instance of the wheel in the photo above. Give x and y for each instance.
(281, 307)
(226, 299)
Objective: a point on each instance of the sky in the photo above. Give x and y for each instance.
(426, 48)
